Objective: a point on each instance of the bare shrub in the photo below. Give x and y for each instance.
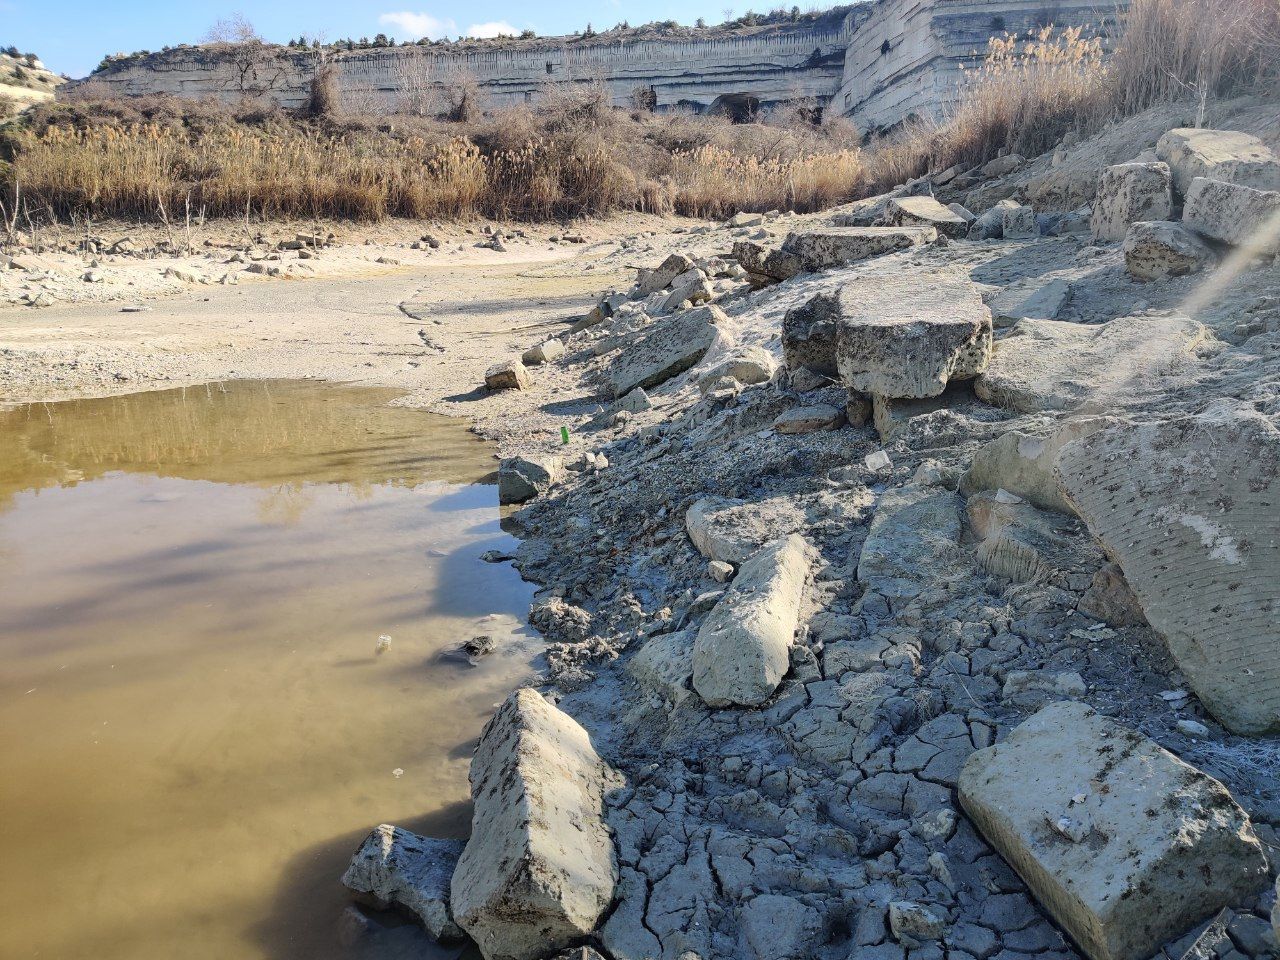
(235, 29)
(324, 99)
(460, 94)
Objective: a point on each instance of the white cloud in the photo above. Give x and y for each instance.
(495, 28)
(418, 25)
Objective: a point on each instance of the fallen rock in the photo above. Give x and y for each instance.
(1032, 300)
(664, 665)
(400, 868)
(889, 415)
(809, 419)
(1019, 222)
(926, 212)
(1188, 508)
(1233, 214)
(908, 336)
(1056, 365)
(748, 365)
(1022, 463)
(990, 224)
(651, 281)
(509, 375)
(734, 531)
(1121, 842)
(911, 544)
(665, 349)
(742, 651)
(1002, 165)
(523, 478)
(1067, 684)
(543, 352)
(765, 263)
(539, 869)
(913, 923)
(1226, 155)
(809, 335)
(1157, 249)
(830, 247)
(1127, 193)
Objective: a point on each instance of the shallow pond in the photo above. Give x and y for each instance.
(196, 726)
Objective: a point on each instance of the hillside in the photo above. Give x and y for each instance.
(24, 80)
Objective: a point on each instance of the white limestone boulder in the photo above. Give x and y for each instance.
(809, 419)
(765, 263)
(1157, 249)
(1227, 155)
(651, 281)
(539, 869)
(1121, 842)
(1190, 509)
(1241, 216)
(664, 350)
(1057, 365)
(733, 530)
(829, 247)
(508, 375)
(742, 651)
(1018, 222)
(747, 365)
(399, 868)
(1030, 300)
(908, 335)
(1023, 463)
(1127, 193)
(543, 352)
(926, 212)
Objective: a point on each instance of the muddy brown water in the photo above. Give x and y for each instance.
(196, 729)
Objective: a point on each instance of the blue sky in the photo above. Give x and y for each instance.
(71, 36)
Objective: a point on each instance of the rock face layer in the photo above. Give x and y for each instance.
(1123, 843)
(742, 650)
(907, 336)
(539, 869)
(1190, 509)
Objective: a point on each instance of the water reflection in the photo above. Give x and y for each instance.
(195, 729)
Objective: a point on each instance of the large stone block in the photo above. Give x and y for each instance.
(400, 868)
(1227, 155)
(809, 334)
(1121, 842)
(1023, 463)
(664, 350)
(1157, 249)
(742, 651)
(1233, 214)
(1127, 193)
(1057, 365)
(830, 247)
(926, 212)
(733, 530)
(523, 478)
(539, 869)
(1190, 509)
(910, 335)
(769, 263)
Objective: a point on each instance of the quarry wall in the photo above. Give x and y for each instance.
(879, 64)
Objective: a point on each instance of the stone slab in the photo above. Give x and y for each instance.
(664, 350)
(1229, 213)
(1227, 155)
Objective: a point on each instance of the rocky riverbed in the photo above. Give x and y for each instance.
(910, 572)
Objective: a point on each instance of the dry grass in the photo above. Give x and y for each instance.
(574, 154)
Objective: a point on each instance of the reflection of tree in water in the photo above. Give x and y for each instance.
(284, 504)
(279, 434)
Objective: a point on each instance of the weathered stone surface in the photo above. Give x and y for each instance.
(1158, 248)
(734, 531)
(1110, 598)
(651, 281)
(1019, 222)
(768, 262)
(1024, 544)
(509, 375)
(890, 415)
(1238, 215)
(539, 869)
(809, 335)
(1033, 300)
(926, 212)
(1123, 843)
(810, 419)
(913, 923)
(908, 336)
(742, 650)
(397, 867)
(543, 352)
(664, 665)
(912, 540)
(990, 224)
(747, 365)
(1226, 155)
(1022, 463)
(1127, 193)
(1002, 165)
(1055, 365)
(523, 478)
(664, 350)
(775, 927)
(1189, 509)
(830, 247)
